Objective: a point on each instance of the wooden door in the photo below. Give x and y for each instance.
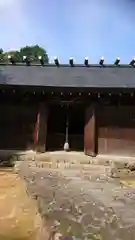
(90, 131)
(41, 128)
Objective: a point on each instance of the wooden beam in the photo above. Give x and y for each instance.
(41, 128)
(90, 131)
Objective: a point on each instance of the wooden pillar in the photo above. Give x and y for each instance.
(90, 131)
(41, 128)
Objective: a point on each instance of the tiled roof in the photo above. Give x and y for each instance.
(65, 76)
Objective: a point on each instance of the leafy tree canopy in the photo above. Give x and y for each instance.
(33, 52)
(1, 51)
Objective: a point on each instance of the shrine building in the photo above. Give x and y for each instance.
(91, 107)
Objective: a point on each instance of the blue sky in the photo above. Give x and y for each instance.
(65, 28)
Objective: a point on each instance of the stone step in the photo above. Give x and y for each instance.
(69, 165)
(81, 158)
(78, 158)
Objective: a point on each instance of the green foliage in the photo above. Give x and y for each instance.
(33, 52)
(1, 51)
(1, 54)
(30, 51)
(15, 54)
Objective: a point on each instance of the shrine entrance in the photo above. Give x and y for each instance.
(65, 123)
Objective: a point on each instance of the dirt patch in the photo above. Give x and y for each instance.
(18, 213)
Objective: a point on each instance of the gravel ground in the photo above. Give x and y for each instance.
(84, 204)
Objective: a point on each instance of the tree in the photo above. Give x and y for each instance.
(1, 51)
(1, 54)
(15, 54)
(33, 52)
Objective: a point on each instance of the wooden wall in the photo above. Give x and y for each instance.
(116, 130)
(17, 124)
(108, 130)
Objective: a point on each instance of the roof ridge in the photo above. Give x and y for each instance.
(67, 65)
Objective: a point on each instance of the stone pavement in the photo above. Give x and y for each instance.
(81, 201)
(79, 157)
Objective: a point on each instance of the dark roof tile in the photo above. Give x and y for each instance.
(68, 77)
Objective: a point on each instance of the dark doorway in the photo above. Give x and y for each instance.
(56, 128)
(56, 131)
(76, 127)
